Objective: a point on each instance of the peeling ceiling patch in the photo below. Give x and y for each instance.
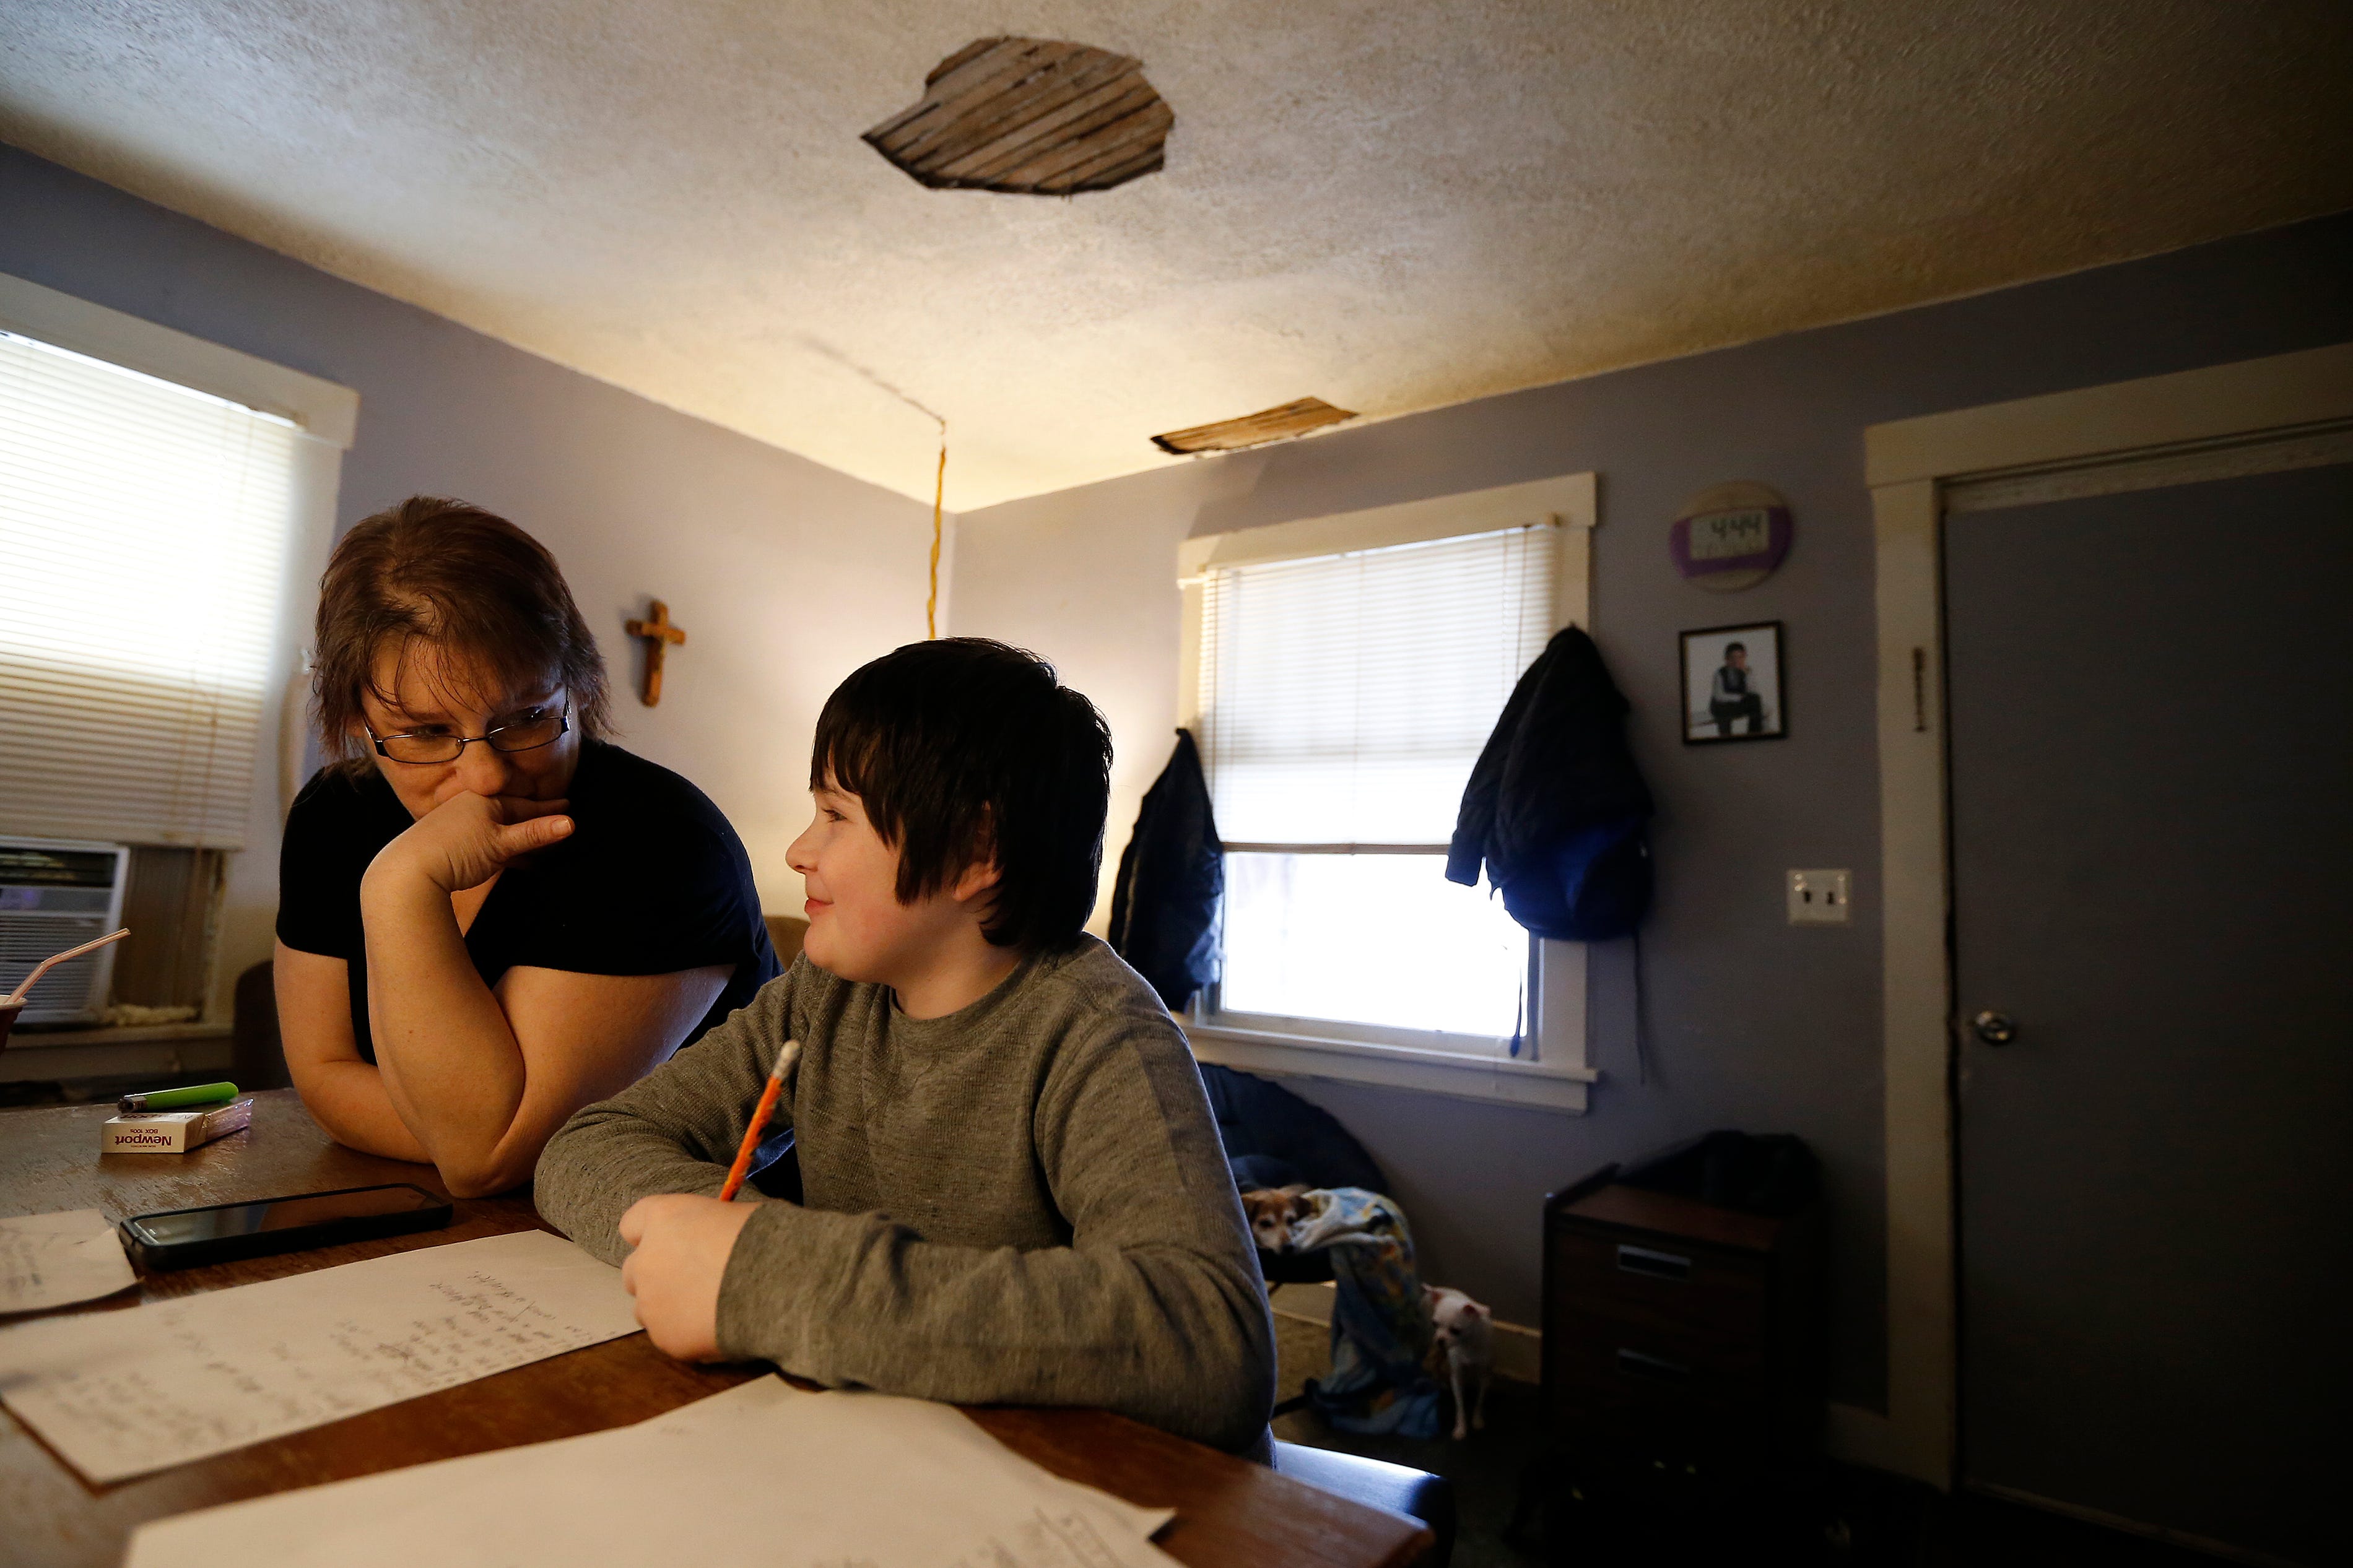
(1254, 429)
(1030, 116)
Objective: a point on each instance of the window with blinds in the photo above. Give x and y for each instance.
(1343, 700)
(144, 537)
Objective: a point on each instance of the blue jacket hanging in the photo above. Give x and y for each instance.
(1164, 905)
(1554, 806)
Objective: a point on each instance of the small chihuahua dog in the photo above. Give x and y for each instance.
(1271, 1212)
(1465, 1336)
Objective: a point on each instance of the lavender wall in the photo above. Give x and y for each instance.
(1751, 1022)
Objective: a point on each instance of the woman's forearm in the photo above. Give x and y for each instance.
(450, 1064)
(344, 1093)
(348, 1099)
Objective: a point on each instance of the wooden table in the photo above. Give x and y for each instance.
(1229, 1512)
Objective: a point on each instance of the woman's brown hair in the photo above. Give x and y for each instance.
(470, 584)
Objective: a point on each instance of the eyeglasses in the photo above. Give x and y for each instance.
(524, 732)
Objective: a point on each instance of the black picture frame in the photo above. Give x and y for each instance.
(1762, 712)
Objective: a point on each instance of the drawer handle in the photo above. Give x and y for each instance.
(1657, 1265)
(1658, 1369)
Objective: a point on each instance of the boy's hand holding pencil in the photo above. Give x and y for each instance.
(681, 1243)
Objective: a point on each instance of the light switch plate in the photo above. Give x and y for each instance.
(1819, 897)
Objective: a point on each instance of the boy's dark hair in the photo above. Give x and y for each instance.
(966, 749)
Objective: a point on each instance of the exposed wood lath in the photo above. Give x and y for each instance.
(1029, 116)
(1254, 429)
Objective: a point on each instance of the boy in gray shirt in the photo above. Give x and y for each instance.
(1013, 1189)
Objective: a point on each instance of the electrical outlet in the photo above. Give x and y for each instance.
(1819, 897)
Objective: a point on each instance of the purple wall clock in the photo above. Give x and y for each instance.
(1731, 537)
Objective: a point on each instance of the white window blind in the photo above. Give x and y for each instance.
(1344, 698)
(145, 534)
(1347, 699)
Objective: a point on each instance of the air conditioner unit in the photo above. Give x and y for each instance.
(55, 893)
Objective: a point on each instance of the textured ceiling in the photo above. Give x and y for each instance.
(1391, 206)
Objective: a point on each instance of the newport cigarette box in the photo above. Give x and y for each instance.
(174, 1132)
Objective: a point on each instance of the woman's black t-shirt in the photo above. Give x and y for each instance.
(652, 880)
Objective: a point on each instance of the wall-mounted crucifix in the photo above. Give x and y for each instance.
(659, 635)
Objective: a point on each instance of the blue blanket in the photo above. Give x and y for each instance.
(1380, 1324)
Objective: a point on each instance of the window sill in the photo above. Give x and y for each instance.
(97, 1052)
(1536, 1085)
(38, 1036)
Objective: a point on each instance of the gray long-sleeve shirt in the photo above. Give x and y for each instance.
(1023, 1201)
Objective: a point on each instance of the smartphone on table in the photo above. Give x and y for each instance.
(183, 1238)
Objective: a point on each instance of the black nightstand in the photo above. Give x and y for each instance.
(1683, 1371)
(1681, 1328)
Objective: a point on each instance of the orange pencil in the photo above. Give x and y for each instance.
(766, 1108)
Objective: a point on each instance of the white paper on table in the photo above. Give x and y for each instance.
(58, 1259)
(121, 1394)
(763, 1473)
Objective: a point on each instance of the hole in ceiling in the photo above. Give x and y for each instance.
(1254, 429)
(1031, 117)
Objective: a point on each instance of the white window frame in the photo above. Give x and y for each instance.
(1551, 1073)
(328, 416)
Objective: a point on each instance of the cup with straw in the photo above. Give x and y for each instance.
(14, 1003)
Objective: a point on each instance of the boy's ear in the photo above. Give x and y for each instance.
(975, 880)
(980, 874)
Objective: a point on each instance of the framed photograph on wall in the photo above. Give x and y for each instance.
(1732, 681)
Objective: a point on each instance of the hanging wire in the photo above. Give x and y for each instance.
(824, 350)
(939, 501)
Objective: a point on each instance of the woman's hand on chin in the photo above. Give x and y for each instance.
(469, 838)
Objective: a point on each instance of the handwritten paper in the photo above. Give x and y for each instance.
(121, 1394)
(55, 1259)
(763, 1473)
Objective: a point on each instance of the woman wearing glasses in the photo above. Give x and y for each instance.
(487, 915)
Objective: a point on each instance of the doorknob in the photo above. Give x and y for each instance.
(1994, 1028)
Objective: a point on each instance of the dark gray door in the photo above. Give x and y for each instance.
(2150, 700)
